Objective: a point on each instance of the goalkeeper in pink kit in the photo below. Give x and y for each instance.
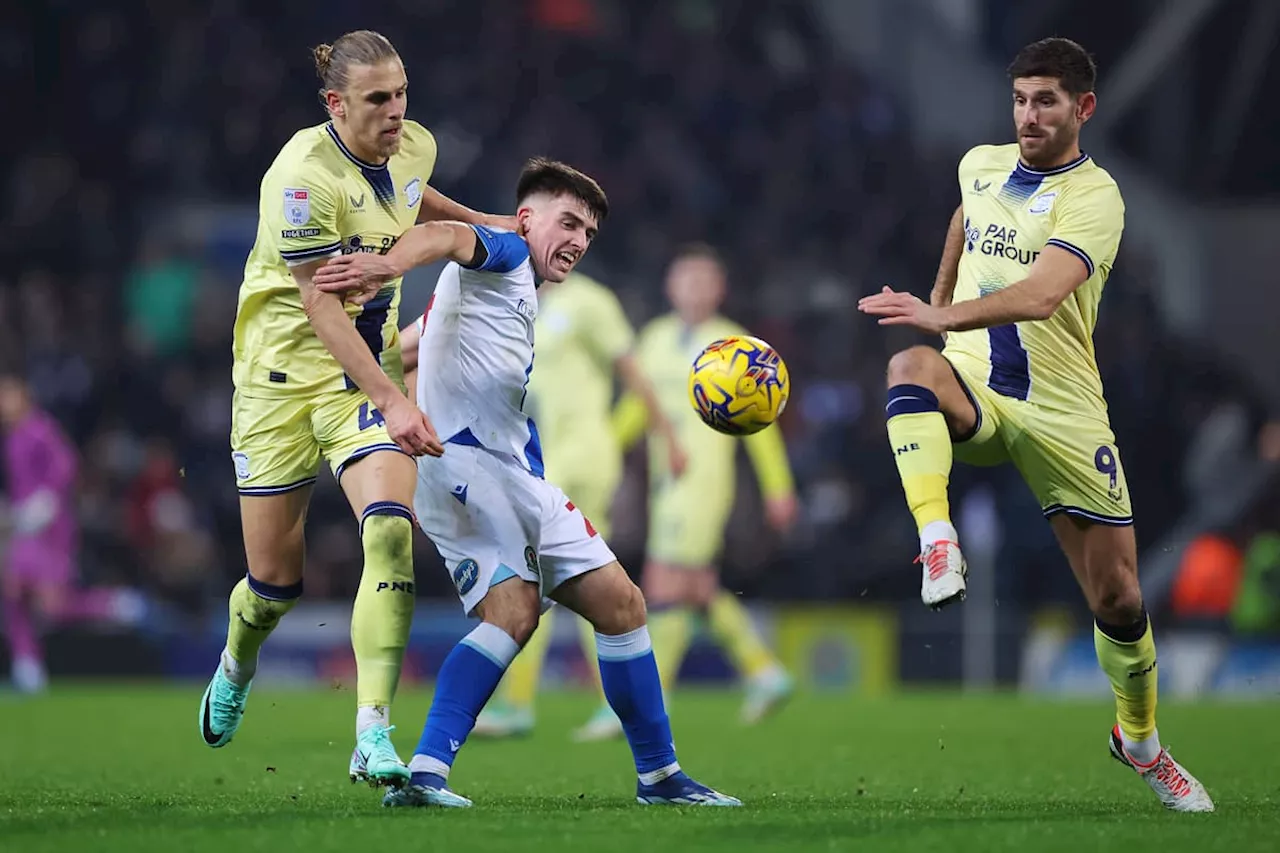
(37, 577)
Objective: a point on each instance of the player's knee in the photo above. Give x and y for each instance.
(519, 624)
(1117, 597)
(704, 586)
(624, 611)
(514, 606)
(916, 366)
(386, 531)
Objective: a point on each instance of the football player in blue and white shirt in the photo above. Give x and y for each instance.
(512, 542)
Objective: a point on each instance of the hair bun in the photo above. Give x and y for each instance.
(322, 54)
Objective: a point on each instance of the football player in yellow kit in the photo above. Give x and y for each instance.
(688, 514)
(1026, 258)
(319, 377)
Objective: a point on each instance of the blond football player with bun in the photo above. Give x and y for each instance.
(319, 377)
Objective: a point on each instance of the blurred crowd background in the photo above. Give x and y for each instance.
(129, 200)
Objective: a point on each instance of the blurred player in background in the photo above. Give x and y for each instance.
(1016, 298)
(316, 377)
(584, 339)
(511, 541)
(688, 514)
(37, 579)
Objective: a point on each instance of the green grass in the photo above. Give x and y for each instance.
(123, 768)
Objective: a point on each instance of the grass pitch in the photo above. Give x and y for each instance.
(123, 768)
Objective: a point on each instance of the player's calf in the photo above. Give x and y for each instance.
(613, 604)
(927, 408)
(466, 681)
(256, 608)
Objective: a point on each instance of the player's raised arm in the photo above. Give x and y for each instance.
(435, 207)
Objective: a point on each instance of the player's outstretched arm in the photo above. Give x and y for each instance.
(436, 207)
(408, 427)
(636, 382)
(1054, 276)
(944, 283)
(420, 245)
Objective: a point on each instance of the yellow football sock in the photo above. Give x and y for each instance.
(922, 448)
(253, 617)
(1131, 665)
(383, 611)
(732, 627)
(520, 684)
(670, 632)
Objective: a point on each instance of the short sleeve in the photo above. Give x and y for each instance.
(300, 209)
(503, 250)
(1088, 222)
(607, 329)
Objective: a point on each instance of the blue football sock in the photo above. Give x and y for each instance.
(629, 676)
(467, 679)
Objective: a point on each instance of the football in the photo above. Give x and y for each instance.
(739, 385)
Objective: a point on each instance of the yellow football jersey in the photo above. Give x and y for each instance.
(316, 200)
(1011, 212)
(580, 333)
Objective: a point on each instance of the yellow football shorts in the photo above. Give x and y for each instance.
(277, 443)
(1070, 461)
(687, 519)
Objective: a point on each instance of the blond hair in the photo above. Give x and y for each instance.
(360, 47)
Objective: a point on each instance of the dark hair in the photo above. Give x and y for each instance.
(700, 252)
(1060, 58)
(361, 47)
(556, 179)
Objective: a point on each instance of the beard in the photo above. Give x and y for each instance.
(1045, 150)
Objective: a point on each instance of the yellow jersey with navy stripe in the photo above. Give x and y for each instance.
(1011, 212)
(317, 200)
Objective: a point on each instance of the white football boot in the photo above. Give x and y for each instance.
(1177, 789)
(945, 574)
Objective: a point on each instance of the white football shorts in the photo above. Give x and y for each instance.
(492, 520)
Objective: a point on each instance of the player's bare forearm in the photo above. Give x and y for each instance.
(435, 206)
(431, 242)
(335, 330)
(1015, 304)
(944, 284)
(1054, 276)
